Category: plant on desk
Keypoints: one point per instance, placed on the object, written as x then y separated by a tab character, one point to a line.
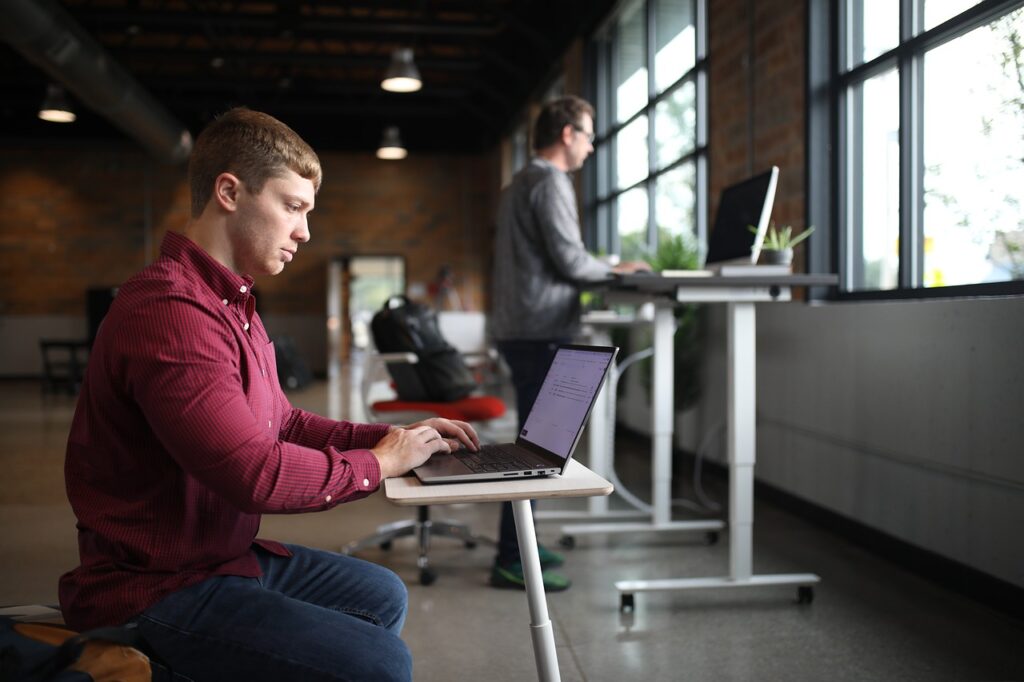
779	242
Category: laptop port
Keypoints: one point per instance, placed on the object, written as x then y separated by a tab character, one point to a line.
512	474
528	473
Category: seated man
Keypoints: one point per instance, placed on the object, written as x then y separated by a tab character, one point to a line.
182	438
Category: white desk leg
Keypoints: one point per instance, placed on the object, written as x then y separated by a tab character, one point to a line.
662	413
741	400
662	423
540	625
599	445
742	419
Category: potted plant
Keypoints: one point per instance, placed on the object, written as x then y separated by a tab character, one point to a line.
779	242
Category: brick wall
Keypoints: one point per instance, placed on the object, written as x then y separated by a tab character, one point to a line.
72	219
756	90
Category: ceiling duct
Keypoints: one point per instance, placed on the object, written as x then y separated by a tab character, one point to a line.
45	34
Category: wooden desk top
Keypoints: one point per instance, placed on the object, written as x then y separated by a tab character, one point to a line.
577	481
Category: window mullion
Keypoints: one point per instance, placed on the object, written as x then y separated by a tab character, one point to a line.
700	101
650	46
911	210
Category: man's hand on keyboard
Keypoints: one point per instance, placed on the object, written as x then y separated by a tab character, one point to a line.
402	449
456	433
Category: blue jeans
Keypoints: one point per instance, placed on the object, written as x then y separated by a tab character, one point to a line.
313	616
528	361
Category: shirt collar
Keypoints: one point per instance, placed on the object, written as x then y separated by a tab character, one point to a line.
223	282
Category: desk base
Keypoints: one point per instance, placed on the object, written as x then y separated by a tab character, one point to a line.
646	527
627	588
569	515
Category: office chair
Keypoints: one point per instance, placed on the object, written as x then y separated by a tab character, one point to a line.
475	409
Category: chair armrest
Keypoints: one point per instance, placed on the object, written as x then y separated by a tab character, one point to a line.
489	354
409	358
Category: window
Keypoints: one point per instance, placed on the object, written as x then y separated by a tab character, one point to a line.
926	109
648	83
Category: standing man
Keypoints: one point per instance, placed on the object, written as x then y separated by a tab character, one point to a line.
540	261
182	438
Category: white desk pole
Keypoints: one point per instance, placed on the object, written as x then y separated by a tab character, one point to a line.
540	625
662	424
662	412
597	439
599	443
741	404
741	415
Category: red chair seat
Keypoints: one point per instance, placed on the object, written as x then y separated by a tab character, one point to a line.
472	409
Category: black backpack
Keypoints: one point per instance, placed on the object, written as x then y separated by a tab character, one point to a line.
404	326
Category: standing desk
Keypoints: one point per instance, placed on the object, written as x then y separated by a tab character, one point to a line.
577	481
740	294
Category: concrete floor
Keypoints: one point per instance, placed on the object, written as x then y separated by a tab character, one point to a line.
870	620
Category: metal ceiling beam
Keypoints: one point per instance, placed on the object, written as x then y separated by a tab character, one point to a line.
45	34
206	55
271	24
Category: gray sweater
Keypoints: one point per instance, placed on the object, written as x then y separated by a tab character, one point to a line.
539	257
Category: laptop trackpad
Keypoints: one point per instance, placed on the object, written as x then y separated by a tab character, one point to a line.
442	464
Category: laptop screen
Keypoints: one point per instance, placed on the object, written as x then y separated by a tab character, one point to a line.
745	204
564	401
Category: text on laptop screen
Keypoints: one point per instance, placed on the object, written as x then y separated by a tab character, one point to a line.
564	400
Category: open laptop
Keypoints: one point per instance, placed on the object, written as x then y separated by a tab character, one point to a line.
551	430
745	204
732	243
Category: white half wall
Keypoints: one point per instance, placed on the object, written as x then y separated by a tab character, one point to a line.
904	416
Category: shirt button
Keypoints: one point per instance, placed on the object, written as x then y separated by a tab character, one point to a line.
366	483
327	499
269	424
264	372
224	301
245	326
243	288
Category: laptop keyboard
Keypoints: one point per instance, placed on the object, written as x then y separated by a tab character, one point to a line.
492	458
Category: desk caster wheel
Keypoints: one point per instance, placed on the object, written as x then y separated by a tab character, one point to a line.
567	541
626	602
427	576
711	537
804	594
386	545
470	544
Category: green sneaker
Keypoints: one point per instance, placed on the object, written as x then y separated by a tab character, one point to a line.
512	577
549	559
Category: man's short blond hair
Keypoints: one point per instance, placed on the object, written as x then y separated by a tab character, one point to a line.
251	145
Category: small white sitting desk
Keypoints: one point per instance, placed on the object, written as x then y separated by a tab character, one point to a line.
740	294
577	481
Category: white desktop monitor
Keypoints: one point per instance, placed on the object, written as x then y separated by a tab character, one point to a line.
740	206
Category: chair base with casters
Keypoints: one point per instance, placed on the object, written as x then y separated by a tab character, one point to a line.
423	528
481	408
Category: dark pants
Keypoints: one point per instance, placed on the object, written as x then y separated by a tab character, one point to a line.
316	616
529	362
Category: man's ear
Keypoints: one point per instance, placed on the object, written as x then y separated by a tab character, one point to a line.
226	189
567	132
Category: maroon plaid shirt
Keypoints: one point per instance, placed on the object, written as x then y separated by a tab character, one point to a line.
182	437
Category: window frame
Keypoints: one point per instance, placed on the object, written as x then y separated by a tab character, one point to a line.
829	144
599	187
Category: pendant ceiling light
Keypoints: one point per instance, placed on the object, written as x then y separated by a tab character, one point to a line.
55	107
391	145
402	75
